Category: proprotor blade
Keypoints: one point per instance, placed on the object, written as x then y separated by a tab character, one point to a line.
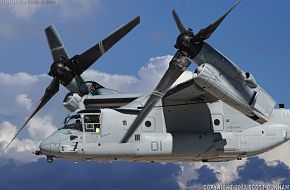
55	43
177	66
50	91
205	33
178	22
87	58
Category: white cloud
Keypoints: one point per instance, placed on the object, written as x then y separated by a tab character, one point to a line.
227	172
151	73
147	77
20	78
25	10
188	172
41	127
279	153
7	30
113	81
22	86
155	68
20	150
23	89
23	100
14	12
71	9
67	9
7	131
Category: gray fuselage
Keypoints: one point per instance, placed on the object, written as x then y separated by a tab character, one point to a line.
188	132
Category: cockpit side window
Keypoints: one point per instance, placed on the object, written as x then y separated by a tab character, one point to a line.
92	123
73	122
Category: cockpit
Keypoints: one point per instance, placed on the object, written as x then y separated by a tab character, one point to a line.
73	122
89	122
85	123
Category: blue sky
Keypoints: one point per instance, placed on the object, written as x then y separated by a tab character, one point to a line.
255	36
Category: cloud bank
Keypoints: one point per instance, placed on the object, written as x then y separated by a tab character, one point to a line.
147	77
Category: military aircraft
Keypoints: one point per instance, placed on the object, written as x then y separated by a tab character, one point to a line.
220	114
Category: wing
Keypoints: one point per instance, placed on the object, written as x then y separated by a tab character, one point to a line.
187	93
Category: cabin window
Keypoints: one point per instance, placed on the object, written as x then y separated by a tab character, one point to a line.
217	122
92	123
148	124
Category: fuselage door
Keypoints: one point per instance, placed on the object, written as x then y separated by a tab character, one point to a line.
92	127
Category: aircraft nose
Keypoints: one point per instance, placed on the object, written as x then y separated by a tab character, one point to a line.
45	146
50	144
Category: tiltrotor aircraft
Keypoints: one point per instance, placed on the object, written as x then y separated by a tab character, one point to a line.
220	114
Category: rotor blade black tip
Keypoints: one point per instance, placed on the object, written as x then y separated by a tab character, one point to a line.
173	12
91	55
55	43
178	22
53	37
237	2
205	33
233	6
50	27
137	19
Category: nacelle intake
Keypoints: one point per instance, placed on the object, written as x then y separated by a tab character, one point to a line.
72	102
250	80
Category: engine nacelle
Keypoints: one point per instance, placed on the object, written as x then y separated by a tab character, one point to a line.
72	102
250	80
255	103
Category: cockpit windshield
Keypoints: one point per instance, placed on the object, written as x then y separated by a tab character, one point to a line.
73	122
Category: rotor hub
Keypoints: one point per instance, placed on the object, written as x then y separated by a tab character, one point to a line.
60	71
184	43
